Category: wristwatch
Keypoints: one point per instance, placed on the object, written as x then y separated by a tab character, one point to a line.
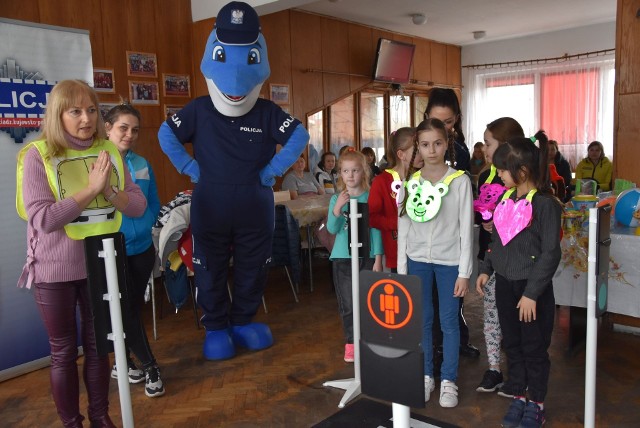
112	196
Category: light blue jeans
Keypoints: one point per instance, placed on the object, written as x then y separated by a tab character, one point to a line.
445	277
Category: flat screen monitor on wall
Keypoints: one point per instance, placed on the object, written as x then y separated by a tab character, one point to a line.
393	61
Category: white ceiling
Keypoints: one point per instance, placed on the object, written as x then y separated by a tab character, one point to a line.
448	21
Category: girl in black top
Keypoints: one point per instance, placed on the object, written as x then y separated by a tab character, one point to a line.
524	254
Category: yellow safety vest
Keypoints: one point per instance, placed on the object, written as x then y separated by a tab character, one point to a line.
67	175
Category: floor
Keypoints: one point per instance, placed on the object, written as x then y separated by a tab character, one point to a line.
283	386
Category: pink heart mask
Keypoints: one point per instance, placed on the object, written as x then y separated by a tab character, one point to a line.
511	218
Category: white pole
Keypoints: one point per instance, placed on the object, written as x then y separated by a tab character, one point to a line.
353	386
355	283
401	416
117	335
592	324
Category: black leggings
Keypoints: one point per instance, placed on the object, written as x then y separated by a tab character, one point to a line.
139	267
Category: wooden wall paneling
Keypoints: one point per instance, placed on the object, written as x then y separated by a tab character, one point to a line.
362	54
454	66
306	50
438	63
114	40
626	145
141	25
65	14
173	37
422	60
199	35
172	43
276	31
628	46
335	57
26	10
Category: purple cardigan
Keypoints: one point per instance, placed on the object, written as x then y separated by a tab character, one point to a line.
51	255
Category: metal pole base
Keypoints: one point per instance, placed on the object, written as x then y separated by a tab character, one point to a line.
351	386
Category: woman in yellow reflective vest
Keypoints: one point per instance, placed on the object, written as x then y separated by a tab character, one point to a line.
71	184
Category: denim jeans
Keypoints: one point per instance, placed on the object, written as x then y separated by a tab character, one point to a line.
445	277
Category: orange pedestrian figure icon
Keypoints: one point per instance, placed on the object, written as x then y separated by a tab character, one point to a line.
391	298
389	304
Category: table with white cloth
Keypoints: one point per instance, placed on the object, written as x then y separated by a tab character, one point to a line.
308	211
570	280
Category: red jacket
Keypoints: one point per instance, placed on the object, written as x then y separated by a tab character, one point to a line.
383	215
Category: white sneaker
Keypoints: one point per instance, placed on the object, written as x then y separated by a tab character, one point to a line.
448	394
429	386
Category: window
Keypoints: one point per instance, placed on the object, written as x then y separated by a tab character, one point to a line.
365	123
572	101
399	112
316	131
342	124
421	102
372	131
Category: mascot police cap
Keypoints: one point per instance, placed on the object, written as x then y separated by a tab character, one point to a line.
237	23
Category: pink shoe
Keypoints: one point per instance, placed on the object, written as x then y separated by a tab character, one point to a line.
348	353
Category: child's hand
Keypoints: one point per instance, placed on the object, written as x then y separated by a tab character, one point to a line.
488	226
343	198
527	308
461	287
377	265
482	280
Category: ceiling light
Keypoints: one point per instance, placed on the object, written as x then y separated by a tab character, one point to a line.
479	34
418	18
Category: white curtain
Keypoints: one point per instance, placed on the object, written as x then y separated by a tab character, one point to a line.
571	100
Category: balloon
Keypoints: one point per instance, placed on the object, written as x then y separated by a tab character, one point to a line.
627	208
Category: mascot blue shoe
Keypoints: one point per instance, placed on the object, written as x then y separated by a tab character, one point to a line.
218	345
254	336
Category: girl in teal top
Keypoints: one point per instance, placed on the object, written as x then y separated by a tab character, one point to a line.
353	182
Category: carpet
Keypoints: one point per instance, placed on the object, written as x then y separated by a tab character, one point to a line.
365	413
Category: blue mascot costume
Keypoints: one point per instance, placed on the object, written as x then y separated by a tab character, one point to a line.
234	136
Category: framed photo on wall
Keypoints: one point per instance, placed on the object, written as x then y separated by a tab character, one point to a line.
176	85
142	64
170	110
103	80
105	107
279	93
141	92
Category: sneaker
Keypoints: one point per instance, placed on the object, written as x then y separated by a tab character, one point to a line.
469	351
348	353
448	394
514	414
153	386
135	374
491	381
533	416
506	390
429	386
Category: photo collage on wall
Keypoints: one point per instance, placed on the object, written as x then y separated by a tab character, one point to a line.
143	88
